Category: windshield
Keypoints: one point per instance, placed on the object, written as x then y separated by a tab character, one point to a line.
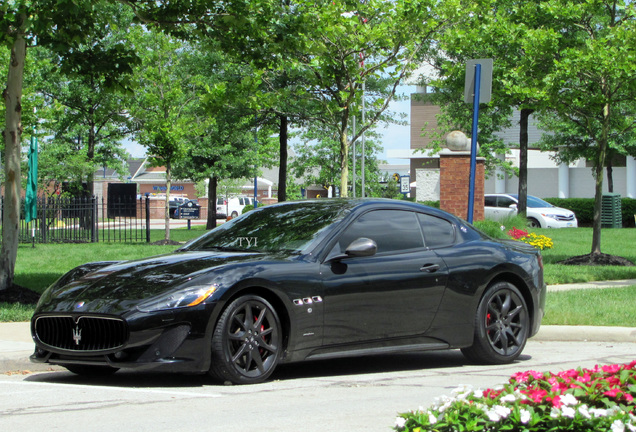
291	227
534	202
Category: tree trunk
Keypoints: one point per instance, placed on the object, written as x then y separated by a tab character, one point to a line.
12	139
610	176
282	170
344	165
599	164
167	208
523	160
211	222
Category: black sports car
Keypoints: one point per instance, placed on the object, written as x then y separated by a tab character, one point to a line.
298	281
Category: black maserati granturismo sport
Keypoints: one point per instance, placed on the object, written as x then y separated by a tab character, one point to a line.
298	281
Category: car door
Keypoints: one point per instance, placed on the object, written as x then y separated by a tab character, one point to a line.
394	293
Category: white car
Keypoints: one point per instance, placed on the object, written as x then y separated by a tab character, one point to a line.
233	206
540	214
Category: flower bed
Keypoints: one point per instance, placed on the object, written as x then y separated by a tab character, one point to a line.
597	399
536	240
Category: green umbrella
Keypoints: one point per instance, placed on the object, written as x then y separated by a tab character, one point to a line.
30	202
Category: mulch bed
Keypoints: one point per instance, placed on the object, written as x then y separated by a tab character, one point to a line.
599	259
19	294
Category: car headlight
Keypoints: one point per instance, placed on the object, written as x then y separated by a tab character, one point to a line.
187	297
551	216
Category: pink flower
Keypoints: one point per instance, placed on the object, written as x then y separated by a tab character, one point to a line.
613	392
536	395
584	378
612	369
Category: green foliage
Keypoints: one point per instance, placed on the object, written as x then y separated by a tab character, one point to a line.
583	208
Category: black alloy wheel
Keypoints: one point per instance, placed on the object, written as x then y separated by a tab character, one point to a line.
501	326
247	341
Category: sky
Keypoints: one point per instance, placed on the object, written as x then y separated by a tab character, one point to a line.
394	137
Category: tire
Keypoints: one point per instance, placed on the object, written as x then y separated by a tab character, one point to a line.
91	371
533	223
247	341
234	214
501	326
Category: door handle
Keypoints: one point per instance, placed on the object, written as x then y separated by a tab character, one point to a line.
429	268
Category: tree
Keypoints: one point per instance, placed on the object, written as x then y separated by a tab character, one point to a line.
59	25
377	44
164	99
501	30
88	83
317	161
593	83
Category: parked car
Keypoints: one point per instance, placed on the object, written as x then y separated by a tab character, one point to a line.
296	281
221	208
233	206
540	213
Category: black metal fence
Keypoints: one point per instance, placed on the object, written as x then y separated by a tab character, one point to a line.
86	220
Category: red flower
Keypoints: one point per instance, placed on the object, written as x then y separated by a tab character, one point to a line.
613	392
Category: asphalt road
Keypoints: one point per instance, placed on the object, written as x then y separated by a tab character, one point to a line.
362	394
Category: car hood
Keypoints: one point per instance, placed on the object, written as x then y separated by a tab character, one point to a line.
119	287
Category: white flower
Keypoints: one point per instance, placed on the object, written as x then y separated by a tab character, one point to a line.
630	427
502	411
598	412
431	418
618	426
493	416
583	410
479	394
400	422
497	413
555	413
348	14
568	400
525	416
568	412
508	398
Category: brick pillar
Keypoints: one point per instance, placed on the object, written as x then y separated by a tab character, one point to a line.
454	182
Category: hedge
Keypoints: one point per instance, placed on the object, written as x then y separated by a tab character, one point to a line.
583	208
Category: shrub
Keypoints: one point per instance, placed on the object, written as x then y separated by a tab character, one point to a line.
601	398
583	208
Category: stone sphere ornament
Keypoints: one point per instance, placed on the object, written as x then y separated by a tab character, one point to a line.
457	141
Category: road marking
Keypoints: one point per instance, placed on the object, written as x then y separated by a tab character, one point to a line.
115	388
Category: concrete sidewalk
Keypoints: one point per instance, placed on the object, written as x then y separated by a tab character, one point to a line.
16	344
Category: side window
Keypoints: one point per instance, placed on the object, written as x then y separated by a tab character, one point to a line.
392	230
437	232
490	201
505	202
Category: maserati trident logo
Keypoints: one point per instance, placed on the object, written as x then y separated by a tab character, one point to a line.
77	335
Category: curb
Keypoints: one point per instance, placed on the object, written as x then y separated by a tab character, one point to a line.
585	334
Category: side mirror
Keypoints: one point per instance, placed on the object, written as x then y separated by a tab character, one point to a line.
362	247
513	206
358	248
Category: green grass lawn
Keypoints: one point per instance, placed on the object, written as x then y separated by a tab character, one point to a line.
38	267
570	242
597	307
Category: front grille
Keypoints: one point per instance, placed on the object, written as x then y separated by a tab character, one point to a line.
565	218
81	333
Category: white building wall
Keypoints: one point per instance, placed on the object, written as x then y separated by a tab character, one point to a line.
427	184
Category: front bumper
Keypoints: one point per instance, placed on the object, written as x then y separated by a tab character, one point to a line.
172	342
